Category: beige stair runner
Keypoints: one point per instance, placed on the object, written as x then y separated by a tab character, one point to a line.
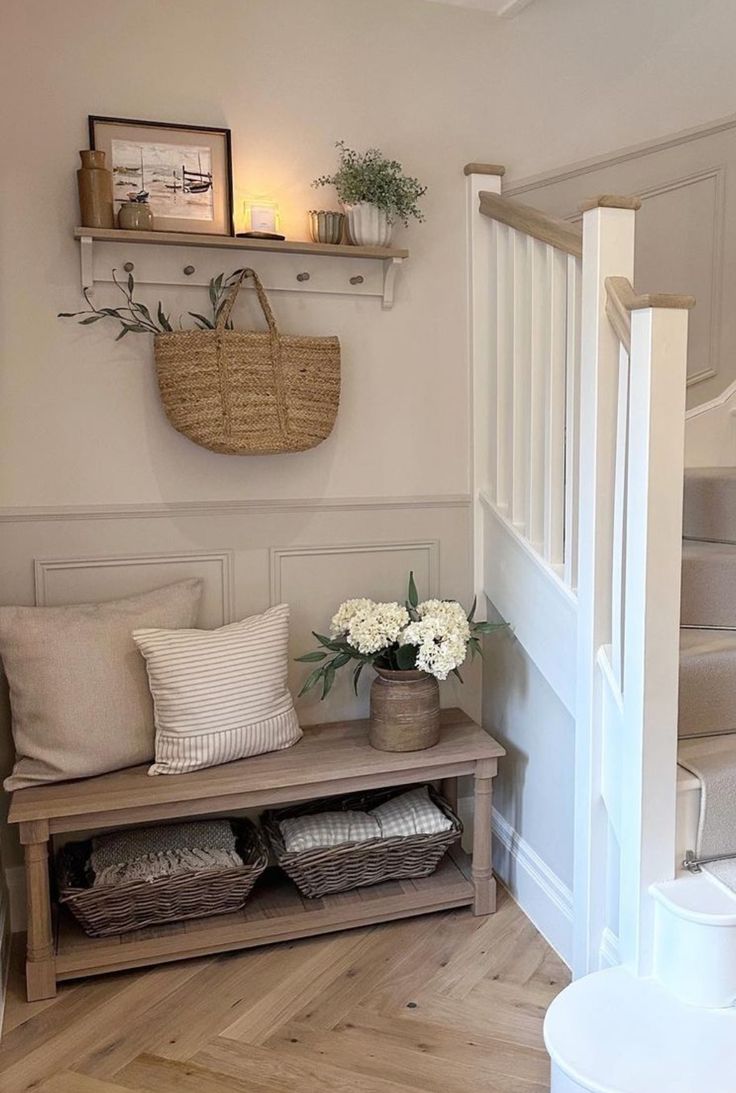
707	708
713	761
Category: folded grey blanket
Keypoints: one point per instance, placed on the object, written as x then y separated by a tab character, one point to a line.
147	853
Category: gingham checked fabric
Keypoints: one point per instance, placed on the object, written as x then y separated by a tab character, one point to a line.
412	813
328	829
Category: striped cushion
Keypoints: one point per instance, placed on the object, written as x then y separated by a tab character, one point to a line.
220	694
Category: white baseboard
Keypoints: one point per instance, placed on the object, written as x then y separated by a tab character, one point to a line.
608	954
15	878
539	892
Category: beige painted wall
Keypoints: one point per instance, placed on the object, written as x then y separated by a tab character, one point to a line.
435	86
685	231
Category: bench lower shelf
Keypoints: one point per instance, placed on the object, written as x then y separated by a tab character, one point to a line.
275	912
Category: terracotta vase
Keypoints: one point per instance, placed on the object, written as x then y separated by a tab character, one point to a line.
135	216
94	183
405	711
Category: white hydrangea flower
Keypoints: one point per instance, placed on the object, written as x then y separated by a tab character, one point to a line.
376	627
452	612
344	615
441	639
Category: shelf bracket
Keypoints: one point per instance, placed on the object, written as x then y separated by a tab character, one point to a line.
86	264
390	269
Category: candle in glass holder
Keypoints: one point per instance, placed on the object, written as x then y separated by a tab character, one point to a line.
261	219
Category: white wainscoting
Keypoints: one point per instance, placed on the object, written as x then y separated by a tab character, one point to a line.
366	563
91	579
300	576
532	598
685	231
310	553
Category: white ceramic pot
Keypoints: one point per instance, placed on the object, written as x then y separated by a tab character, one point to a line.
368	225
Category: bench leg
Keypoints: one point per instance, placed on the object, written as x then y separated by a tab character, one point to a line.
484	882
40	956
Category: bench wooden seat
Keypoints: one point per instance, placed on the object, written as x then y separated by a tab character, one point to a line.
331	759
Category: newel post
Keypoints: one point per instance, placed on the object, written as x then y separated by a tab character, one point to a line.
608	251
481	327
658	379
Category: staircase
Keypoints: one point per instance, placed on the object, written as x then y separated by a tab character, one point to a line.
675	1031
579	429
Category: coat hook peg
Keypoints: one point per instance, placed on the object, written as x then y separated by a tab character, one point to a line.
358	280
302	276
129	267
188	270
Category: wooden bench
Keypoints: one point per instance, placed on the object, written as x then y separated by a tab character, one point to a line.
331	759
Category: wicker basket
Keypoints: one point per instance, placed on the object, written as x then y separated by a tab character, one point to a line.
355	865
246	392
117	909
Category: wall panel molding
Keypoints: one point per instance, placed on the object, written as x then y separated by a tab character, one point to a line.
278	555
686	239
717	175
221	562
174	509
717	229
622	155
313	553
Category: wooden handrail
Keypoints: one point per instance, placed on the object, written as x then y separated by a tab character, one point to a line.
548	229
484	169
621	300
611	201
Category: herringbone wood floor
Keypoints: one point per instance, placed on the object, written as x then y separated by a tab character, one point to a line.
447	1003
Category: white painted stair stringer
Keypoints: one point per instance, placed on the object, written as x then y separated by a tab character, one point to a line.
611	1032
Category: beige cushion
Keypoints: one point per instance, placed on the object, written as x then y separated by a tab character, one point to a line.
220	694
78	688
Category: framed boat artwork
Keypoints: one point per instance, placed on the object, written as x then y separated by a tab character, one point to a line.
185	171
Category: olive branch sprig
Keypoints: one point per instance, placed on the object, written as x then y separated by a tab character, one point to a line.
135	318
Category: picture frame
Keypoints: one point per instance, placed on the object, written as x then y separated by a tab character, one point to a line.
185	169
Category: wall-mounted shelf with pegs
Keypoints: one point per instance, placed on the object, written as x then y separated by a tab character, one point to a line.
155	258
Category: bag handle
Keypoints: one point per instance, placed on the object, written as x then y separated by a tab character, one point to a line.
276	361
262	299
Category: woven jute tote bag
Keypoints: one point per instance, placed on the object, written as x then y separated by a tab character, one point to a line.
246	392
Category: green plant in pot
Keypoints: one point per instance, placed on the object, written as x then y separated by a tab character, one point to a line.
410	646
375	193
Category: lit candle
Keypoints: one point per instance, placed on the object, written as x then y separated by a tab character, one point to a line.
261	218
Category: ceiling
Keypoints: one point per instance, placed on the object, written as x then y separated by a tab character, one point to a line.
505	8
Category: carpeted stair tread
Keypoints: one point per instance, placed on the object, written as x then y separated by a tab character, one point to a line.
710	504
707	682
708	584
